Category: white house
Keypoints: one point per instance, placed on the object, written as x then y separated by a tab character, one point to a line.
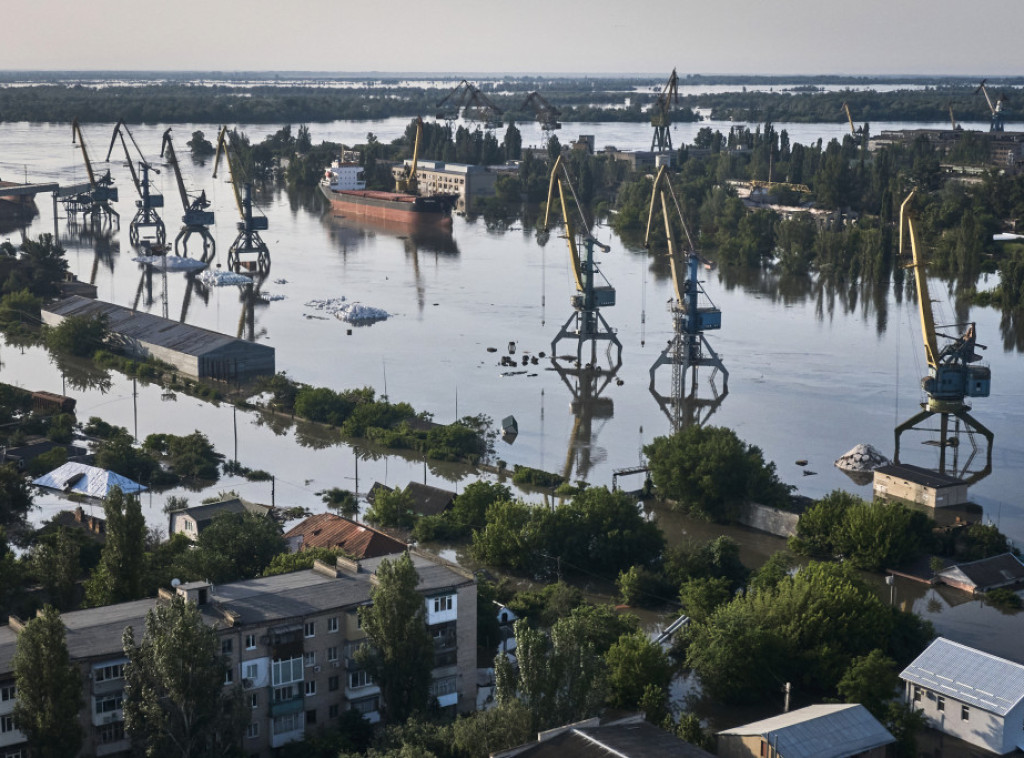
969	694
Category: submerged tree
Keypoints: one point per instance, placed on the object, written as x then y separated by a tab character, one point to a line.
49	688
120	573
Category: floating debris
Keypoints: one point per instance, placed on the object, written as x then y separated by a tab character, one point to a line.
170	262
220	278
351	312
280	281
860	463
513	373
803	462
269	297
492	350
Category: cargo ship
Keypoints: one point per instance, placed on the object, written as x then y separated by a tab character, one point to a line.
345	186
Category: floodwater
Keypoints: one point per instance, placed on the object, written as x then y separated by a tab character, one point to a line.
812	371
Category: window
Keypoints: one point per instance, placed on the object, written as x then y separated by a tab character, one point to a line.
287	723
965	713
109	703
366	705
359	678
286	693
917	694
311	687
941	704
332	624
229	675
333	684
311	717
332	711
253	730
250	642
252	671
225	647
443	603
8	692
106	673
309	658
113	732
445	686
764	749
6	724
332	653
286	671
254	700
310	629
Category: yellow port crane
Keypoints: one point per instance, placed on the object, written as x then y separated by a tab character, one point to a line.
96	200
952	120
661	119
952	373
589	324
995	109
845	107
407	181
248	243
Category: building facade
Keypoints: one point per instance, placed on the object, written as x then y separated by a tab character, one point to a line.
290	641
914	484
469	182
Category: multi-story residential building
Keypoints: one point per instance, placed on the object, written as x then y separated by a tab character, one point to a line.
290	640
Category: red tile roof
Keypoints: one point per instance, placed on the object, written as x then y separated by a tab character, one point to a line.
330	531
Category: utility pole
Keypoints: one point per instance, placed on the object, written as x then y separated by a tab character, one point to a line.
785	705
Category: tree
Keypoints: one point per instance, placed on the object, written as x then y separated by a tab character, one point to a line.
121	571
56	563
234	546
399	654
77	335
15	497
870	680
392	508
634	663
175	702
709	472
49	688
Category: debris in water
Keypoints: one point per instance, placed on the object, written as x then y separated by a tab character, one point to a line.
351	312
219	278
862	458
170	262
802	462
492	350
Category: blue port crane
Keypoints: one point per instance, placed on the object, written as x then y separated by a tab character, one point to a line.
146	216
248	244
586	324
692	311
197	219
995	109
953	372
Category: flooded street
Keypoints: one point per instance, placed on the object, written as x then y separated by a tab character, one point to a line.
812	372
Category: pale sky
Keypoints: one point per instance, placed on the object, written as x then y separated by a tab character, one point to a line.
976	38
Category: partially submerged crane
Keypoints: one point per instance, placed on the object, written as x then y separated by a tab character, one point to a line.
197	220
407	181
589	325
952	375
146	216
660	118
693	313
467	99
248	243
546	114
95	201
996	109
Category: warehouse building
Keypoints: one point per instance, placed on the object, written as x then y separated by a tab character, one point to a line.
198	352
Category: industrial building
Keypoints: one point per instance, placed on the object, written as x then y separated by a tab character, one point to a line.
437	177
290	641
1005	149
914	484
198	352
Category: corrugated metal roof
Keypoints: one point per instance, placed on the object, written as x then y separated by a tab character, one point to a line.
819	731
971	676
919	475
997	571
149	328
87	480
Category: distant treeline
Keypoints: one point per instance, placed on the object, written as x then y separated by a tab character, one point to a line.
577	100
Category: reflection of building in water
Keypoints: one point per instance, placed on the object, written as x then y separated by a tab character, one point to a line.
471	183
586	386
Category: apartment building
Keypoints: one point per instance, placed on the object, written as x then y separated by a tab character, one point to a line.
291	642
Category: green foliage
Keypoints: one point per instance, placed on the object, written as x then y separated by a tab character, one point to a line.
872	536
119	575
643	588
193	456
15	497
468	512
234	546
77	335
175	702
1004	599
709	472
61	427
119	454
21	307
535	477
285	563
719	557
487	732
392	509
701	596
543	607
342	501
199	145
399	654
981	541
634	663
807	630
97	427
49	688
871	680
39	270
772	571
56	563
597	531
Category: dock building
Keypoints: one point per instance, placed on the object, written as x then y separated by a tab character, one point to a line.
192	350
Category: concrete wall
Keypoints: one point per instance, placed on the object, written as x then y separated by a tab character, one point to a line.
771	520
998	734
889	486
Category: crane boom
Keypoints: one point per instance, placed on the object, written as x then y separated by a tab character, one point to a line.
76	134
409	183
222	148
846	107
167	150
924	303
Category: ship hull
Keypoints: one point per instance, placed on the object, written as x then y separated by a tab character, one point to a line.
392	206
